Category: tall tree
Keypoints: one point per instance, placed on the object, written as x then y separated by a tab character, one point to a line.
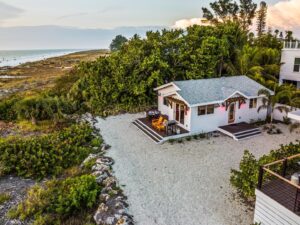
228	10
261	19
223	10
247	13
117	43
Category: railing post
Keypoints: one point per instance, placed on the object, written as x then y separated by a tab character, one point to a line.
284	167
260	177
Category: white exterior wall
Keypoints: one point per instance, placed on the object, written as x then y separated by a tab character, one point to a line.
209	123
269	212
287	69
171	112
277	115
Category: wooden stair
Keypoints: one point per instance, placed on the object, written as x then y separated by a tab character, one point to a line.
247	134
158	139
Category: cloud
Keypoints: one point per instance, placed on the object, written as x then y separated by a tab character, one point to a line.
285	15
184	23
8	11
80	14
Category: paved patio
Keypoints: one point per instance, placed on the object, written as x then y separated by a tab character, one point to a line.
181	184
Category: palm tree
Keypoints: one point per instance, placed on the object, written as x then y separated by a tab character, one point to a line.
270	100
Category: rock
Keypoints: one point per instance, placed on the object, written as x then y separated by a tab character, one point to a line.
100	179
101	168
105	160
105	147
90	157
104	197
110	181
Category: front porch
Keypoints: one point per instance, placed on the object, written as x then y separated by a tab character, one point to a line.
159	136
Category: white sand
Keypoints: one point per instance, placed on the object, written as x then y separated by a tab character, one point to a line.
181	184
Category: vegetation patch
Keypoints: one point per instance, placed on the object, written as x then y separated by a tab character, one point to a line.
4	197
41	156
246	178
58	200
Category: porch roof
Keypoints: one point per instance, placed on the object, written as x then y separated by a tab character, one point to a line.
197	92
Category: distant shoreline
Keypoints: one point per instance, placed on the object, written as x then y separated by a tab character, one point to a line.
13	58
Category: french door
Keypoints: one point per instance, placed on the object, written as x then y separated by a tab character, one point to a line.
179	113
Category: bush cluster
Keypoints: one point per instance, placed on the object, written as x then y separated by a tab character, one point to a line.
37	107
246	178
49	154
56	200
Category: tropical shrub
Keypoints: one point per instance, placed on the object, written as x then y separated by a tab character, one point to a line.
42	108
56	200
7	112
45	155
245	179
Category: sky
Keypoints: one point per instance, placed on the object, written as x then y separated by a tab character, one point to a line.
34	19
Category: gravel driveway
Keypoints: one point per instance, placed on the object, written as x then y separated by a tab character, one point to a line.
181	184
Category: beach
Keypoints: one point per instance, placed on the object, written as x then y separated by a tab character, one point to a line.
41	74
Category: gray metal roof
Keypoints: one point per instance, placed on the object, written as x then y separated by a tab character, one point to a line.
196	92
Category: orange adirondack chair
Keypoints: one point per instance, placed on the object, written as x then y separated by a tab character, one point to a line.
158	121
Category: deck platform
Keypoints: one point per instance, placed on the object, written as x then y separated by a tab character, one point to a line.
157	136
281	192
240	131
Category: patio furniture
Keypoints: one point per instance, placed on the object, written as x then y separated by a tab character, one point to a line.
153	114
160	123
295	178
171	127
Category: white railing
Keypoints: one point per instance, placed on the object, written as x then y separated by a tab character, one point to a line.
292	44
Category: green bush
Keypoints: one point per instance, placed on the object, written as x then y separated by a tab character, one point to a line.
58	199
4	197
245	179
42	108
45	155
7	111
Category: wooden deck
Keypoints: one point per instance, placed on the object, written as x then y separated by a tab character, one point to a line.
238	127
146	122
240	131
281	192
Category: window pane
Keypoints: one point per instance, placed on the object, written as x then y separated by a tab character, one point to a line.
297	61
166	102
210	109
201	110
297	68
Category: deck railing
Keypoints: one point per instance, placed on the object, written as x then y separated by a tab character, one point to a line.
274	181
292	44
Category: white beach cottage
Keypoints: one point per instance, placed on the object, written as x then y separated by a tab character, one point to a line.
226	104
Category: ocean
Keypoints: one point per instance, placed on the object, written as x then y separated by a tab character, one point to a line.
17	57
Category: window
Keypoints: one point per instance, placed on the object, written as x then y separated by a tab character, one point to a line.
297	65
253	103
166	102
208	109
201	110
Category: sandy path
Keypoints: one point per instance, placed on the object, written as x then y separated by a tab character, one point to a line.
181	184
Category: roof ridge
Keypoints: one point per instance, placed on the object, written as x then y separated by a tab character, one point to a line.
212	78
